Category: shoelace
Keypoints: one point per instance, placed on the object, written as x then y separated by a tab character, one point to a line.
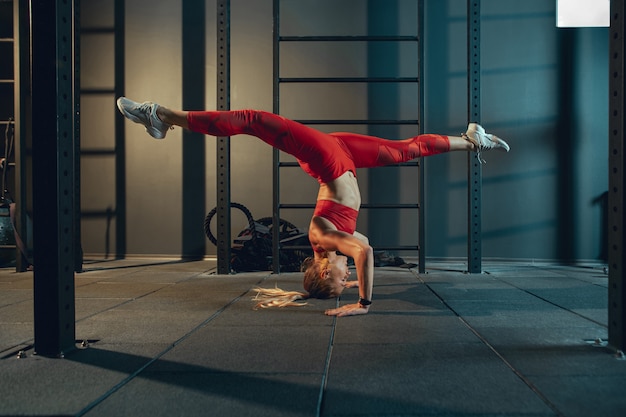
478	148
145	107
153	115
149	109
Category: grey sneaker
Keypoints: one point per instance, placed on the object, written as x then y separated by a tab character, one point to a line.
483	141
145	114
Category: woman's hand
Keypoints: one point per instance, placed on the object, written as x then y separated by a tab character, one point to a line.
352	284
348	310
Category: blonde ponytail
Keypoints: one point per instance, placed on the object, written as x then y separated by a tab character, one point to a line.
315	284
276	297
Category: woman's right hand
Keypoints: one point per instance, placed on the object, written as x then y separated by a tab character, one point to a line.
348	310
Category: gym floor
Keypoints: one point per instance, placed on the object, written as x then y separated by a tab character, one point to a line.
170	338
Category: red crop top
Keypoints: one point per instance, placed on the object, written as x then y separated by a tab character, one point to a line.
342	217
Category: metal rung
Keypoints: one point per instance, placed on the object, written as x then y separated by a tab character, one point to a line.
348	80
358	122
97	31
7	81
297	206
362	38
390	206
295	247
94	214
377	248
97	91
97	152
414	247
363	206
403	164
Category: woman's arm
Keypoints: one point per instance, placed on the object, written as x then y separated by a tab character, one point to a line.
364	262
359	250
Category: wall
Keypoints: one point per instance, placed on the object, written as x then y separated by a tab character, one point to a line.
544	89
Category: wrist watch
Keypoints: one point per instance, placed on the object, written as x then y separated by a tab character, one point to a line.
363	302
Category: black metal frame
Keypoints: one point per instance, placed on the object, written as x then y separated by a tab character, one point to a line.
118	151
53	175
21	17
474	173
617	179
276	152
223	143
277	164
78	248
422	169
120	130
194	144
14	203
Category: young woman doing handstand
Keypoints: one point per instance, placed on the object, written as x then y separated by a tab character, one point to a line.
332	159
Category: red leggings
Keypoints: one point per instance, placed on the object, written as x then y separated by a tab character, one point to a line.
308	144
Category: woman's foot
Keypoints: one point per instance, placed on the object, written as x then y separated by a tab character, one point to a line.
146	114
483	141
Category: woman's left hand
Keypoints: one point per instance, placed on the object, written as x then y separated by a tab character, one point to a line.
348	310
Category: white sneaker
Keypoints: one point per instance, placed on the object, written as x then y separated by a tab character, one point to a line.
483	141
145	114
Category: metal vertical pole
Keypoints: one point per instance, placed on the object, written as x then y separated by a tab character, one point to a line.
194	144
223	143
21	28
78	248
474	238
422	161
276	153
120	131
53	176
617	179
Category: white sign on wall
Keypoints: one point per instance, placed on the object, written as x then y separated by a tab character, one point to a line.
583	13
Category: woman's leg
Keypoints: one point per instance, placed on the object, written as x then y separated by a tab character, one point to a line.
173	117
303	142
457	143
371	151
308	145
368	150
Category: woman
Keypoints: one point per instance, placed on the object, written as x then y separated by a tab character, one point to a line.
332	159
